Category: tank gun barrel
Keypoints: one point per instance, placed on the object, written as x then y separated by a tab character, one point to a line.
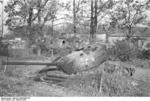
21	62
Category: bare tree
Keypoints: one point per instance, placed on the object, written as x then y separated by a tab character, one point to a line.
99	10
77	13
29	14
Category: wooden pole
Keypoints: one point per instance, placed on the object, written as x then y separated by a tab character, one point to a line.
5	66
101	84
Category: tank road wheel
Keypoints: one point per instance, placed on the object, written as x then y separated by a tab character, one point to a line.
54	77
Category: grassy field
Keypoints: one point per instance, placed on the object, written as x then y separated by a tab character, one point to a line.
18	81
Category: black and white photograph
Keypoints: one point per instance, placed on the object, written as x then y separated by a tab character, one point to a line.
74	48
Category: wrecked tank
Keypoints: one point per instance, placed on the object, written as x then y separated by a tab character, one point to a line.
72	63
82	60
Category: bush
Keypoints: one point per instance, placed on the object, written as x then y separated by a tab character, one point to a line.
19	53
111	85
144	54
118	85
123	50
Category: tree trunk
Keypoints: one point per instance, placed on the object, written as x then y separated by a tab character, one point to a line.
95	17
29	21
93	25
52	27
92	21
74	17
28	30
39	52
107	36
39	18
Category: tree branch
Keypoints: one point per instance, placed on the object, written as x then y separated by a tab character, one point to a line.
39	10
